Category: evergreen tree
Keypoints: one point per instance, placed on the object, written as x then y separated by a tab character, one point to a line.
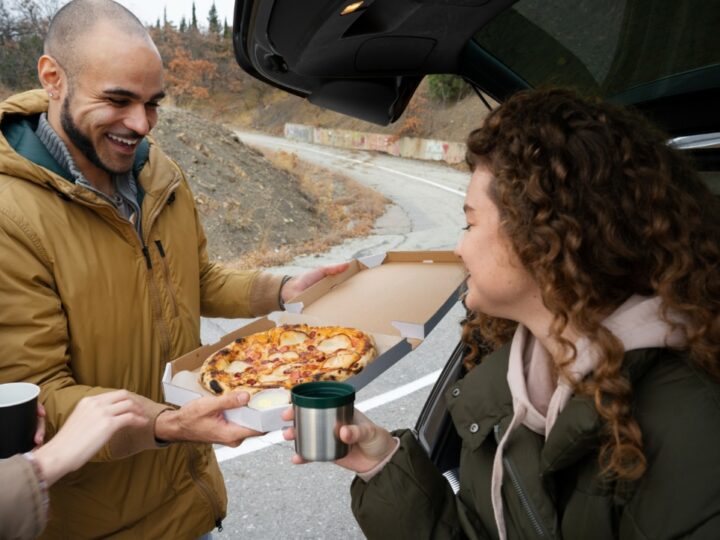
157	24
193	19
167	24
183	24
213	21
226	30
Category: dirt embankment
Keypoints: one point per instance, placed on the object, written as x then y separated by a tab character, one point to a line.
257	212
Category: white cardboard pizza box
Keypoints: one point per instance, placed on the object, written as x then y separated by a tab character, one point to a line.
181	379
397	297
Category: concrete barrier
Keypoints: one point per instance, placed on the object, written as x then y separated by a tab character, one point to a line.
410	147
299	132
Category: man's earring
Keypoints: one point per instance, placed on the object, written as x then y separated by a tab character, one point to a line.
50	94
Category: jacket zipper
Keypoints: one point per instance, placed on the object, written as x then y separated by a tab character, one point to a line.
168	281
162	329
192	453
207	492
524	499
160	324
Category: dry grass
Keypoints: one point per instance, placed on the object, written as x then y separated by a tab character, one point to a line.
348	207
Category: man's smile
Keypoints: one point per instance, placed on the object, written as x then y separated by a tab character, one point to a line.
130	142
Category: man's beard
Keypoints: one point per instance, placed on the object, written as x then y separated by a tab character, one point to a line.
80	141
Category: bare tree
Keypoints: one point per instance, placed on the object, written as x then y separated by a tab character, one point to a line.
23	24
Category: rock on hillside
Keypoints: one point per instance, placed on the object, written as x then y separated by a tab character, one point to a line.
246	204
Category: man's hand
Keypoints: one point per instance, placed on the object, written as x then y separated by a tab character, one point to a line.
299	283
202	420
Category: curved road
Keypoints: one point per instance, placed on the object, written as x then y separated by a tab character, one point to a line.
269	497
427	197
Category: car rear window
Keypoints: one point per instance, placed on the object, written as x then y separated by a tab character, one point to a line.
629	50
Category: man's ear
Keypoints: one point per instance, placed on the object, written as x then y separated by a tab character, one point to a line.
51	76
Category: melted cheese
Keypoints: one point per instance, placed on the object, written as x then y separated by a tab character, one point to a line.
335	343
343	360
277	375
291	337
288	356
238	366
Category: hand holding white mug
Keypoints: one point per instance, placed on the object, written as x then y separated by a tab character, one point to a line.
370	443
92	423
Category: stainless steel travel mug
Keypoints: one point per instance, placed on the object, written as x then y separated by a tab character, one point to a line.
321	408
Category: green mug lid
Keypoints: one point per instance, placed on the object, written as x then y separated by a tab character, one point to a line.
322	394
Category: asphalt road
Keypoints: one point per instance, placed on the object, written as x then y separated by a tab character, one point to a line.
269	498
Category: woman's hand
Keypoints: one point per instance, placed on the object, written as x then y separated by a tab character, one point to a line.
92	423
370	443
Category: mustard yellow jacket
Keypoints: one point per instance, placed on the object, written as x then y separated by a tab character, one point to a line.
86	306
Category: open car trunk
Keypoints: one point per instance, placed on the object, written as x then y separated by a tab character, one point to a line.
366	58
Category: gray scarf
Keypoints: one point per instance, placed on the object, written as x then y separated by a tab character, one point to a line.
124	200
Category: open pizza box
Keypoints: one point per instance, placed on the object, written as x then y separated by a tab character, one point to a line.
396	297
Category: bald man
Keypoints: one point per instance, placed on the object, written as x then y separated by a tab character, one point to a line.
104	276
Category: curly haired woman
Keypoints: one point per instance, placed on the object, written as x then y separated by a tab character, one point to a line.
592	257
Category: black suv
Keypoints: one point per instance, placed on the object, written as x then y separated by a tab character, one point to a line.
366	58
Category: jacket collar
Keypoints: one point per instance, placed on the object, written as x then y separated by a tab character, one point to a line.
482	400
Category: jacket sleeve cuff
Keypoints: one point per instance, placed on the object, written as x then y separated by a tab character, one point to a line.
129	441
367	475
22	510
408	494
265	293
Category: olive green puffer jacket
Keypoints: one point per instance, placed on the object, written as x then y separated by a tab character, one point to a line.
551	487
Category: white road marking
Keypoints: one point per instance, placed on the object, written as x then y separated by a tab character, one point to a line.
398	392
367	163
223	453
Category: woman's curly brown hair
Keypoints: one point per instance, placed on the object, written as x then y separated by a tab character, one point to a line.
599	208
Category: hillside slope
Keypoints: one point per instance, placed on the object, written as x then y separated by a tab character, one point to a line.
259	107
258	211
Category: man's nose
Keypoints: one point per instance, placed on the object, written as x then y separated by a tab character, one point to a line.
137	120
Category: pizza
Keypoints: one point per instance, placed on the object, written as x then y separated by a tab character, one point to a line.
287	355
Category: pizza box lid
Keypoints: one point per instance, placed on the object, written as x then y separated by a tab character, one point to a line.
397	297
401	293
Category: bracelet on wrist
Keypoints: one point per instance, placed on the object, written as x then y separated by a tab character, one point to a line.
281	302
